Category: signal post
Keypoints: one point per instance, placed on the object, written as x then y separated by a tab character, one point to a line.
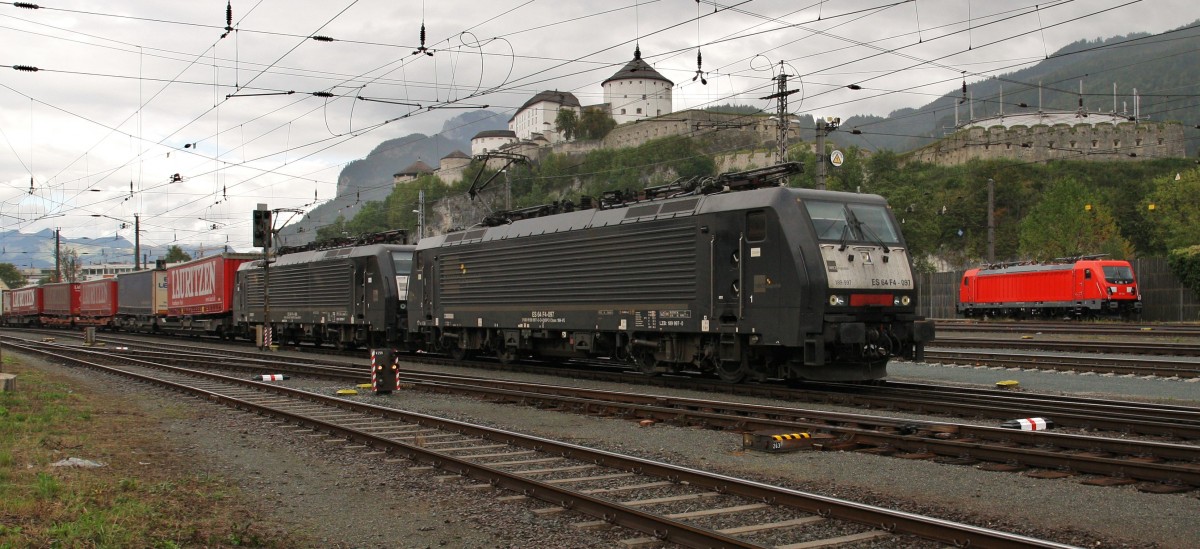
262	237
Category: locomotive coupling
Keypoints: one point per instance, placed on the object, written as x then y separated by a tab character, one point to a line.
852	332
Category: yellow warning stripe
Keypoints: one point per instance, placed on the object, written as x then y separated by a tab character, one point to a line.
792	436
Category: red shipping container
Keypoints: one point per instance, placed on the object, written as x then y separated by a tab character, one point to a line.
204	286
26	301
62	299
98	298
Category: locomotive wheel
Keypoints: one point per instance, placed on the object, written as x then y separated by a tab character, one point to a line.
733	372
646	364
457	353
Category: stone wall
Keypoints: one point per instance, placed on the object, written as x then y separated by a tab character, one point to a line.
1039	143
693	123
741	161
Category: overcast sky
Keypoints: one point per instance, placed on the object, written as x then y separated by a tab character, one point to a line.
131	93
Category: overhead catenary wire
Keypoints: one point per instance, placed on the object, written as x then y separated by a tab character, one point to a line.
237	124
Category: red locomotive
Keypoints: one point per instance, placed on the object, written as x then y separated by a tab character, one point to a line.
1086	286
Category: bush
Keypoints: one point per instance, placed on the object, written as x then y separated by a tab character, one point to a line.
1185	263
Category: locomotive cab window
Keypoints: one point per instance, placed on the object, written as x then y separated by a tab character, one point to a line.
1087	274
403	262
756	226
848	222
1118	274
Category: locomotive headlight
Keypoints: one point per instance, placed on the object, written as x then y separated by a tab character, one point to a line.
837	300
1112	290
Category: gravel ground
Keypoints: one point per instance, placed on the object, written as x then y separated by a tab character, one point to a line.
341	497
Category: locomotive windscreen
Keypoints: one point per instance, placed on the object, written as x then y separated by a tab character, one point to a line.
1118	274
839	221
403	262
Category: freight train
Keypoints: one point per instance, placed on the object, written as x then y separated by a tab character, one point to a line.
734	276
1088	286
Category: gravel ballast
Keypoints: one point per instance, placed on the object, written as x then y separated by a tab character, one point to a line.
353	498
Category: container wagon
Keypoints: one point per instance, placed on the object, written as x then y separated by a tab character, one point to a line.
141	300
25	307
62	304
98	303
200	295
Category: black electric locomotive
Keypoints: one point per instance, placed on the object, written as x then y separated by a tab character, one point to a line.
733	275
348	296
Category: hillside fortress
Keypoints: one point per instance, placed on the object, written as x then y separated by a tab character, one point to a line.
1043	136
639	99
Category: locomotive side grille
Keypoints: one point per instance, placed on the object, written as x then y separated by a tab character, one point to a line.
627	264
320	285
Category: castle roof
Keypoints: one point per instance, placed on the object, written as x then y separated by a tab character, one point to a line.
566	99
495	133
416	168
637	68
456	154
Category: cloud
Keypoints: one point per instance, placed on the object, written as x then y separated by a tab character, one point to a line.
133	93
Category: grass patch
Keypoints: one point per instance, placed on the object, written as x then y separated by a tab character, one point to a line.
143	496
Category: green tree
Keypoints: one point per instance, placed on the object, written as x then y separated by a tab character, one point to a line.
1070	221
334	230
595	124
11	276
175	254
567	123
1176	212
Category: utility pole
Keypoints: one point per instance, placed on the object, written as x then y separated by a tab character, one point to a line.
820	176
991	220
57	256
137	242
507	191
824	126
421	214
781	126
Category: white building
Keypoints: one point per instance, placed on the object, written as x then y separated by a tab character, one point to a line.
413	171
637	91
539	115
490	140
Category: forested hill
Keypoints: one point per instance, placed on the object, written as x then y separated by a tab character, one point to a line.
370	179
1162	68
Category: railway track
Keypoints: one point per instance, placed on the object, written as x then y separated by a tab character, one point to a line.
1142	419
959	325
1037	342
1160	467
663	502
1188	368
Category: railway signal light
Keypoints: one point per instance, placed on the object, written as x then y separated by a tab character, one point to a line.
262	228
